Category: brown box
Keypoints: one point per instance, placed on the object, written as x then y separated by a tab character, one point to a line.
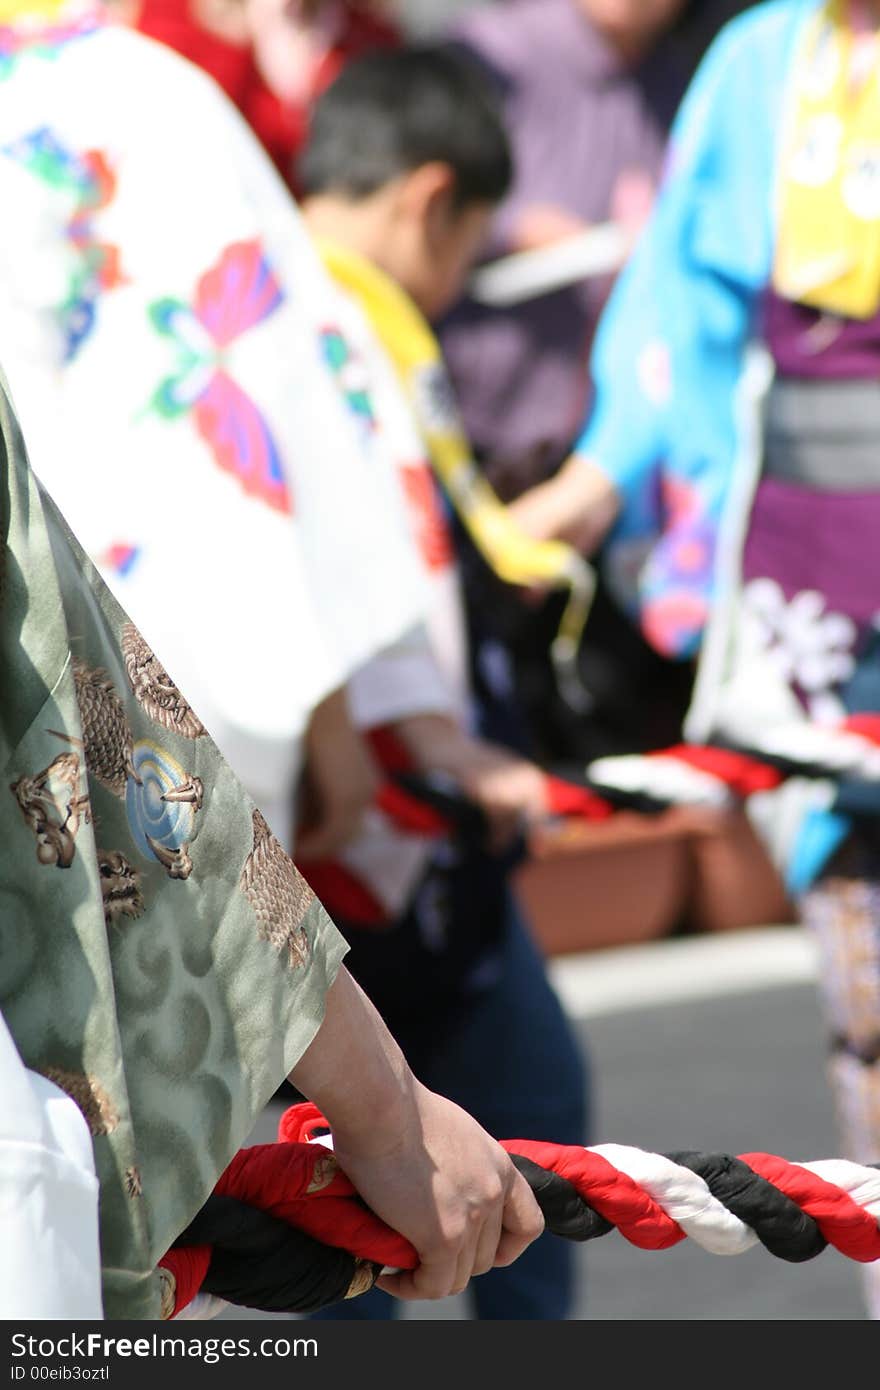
634	878
608	883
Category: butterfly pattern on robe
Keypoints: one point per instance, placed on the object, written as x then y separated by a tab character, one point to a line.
88	179
237	293
351	375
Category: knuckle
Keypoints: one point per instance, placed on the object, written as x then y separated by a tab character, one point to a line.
494	1191
456	1232
475	1218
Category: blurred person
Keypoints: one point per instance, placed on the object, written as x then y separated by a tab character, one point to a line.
406	160
733	448
271	57
174	329
588	89
165	969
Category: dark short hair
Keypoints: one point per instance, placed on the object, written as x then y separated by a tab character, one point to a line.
388	113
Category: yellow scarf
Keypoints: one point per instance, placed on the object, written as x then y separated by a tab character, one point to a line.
828	239
511	554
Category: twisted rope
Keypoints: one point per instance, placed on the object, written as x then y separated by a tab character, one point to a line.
731	769
281	1216
725	1204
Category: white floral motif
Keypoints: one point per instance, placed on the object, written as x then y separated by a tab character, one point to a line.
654	372
811	646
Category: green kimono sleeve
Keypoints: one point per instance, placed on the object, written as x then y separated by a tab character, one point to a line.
160	957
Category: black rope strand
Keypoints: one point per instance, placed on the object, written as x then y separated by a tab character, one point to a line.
259	1261
565	1211
782	1227
780	1224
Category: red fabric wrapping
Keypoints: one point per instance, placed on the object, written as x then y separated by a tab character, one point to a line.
742	774
301	1123
300	1182
340	890
276	1178
614	1195
410	814
868	725
341	893
567	799
189	1265
388	750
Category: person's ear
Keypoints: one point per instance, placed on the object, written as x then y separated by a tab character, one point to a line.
428	195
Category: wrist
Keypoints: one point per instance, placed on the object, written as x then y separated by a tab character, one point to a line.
356	1074
587	501
434	742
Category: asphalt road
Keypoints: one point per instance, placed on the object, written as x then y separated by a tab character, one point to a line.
734	1071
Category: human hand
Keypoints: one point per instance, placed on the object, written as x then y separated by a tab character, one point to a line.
632	201
544	224
440	1180
339	783
578	504
422	1164
510	790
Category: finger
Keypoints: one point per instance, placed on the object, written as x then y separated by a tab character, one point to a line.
487	1243
397	1285
431	1279
522	1222
463	1269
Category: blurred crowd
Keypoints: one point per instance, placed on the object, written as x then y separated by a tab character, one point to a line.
417	553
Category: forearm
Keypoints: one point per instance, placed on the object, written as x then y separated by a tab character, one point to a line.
418	1161
355	1072
435	741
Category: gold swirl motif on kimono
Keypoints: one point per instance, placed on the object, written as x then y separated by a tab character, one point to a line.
89	1095
106	731
154	689
53	805
325	1170
134	1186
278	894
363	1279
161	802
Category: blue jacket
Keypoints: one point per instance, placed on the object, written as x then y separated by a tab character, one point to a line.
671	347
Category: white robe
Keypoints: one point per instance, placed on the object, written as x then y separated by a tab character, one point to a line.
164	325
50	1265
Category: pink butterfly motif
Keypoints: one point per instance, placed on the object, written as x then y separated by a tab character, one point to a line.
237	293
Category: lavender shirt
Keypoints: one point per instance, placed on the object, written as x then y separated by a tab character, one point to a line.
578	118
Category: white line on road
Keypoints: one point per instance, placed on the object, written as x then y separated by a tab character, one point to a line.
673	971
